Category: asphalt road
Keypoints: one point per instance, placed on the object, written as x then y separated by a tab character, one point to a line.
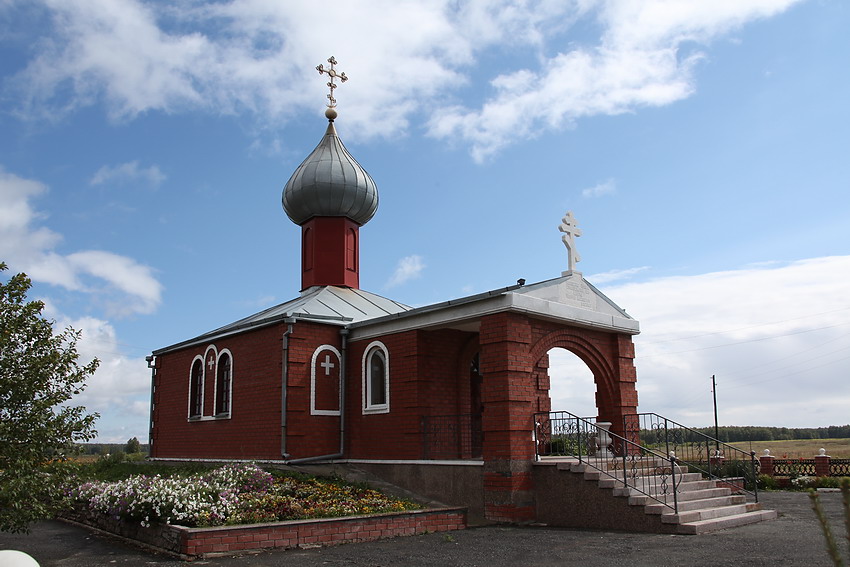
793	539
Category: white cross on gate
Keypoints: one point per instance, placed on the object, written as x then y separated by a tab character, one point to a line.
327	365
211	363
569	226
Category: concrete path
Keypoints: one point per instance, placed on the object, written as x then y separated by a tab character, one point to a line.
793	539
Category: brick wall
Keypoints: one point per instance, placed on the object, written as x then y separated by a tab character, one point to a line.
198	542
428	375
253	428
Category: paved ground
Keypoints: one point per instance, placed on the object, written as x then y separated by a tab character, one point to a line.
793	539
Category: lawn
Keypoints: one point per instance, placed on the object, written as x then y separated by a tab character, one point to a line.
798	448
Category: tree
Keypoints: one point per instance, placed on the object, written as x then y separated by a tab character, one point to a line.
133	446
39	374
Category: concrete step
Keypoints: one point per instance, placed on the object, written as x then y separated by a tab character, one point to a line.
638	499
647	479
684	488
705	514
725	522
657	508
703	506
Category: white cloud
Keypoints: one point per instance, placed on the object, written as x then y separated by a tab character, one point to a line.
122	284
775	337
615	275
119	390
641	59
403	58
608	187
408	268
128	172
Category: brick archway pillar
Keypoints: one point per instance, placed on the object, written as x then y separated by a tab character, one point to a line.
508	395
625	399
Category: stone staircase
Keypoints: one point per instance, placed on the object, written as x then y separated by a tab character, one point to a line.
703	506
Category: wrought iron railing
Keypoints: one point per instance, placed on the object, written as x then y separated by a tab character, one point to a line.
735	468
633	467
451	436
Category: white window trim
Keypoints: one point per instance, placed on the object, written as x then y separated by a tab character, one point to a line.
367	382
199	416
229	386
313	410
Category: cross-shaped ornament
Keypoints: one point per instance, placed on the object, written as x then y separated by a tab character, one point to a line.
327	365
211	363
569	226
333	75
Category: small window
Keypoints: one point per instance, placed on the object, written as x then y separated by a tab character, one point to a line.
351	250
196	389
307	250
222	385
376	387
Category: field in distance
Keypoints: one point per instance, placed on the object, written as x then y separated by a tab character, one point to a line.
798	448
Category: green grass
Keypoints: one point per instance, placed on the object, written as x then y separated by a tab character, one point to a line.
798	448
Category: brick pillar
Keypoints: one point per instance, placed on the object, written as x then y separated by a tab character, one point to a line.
766	464
822	463
509	395
625	400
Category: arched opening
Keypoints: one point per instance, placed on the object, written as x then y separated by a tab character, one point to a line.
572	387
476	406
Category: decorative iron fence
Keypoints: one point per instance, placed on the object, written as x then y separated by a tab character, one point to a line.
737	469
808	467
794	467
839	467
633	467
451	436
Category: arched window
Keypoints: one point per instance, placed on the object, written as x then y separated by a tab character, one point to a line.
376	382
223	384
196	389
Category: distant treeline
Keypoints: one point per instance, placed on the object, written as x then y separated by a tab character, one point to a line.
734	433
110	448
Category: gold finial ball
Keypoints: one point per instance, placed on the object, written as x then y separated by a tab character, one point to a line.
330	113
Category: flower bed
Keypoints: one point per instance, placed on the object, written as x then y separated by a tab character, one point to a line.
233	494
207	513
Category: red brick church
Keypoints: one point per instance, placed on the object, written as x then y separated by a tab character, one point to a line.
438	398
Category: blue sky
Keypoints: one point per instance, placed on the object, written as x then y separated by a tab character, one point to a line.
702	146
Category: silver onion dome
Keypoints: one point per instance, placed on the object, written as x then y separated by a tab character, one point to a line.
330	183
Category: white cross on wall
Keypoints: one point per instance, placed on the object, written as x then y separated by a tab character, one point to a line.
211	363
327	365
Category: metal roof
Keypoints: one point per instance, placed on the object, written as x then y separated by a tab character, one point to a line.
327	304
569	299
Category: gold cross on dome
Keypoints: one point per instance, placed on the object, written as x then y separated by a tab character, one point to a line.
333	75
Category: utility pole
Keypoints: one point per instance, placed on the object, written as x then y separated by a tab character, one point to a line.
716	427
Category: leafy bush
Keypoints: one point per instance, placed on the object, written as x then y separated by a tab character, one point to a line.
767	482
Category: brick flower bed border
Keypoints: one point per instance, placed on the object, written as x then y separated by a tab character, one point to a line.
192	543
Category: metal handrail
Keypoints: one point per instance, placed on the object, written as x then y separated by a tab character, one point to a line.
681	440
579	437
